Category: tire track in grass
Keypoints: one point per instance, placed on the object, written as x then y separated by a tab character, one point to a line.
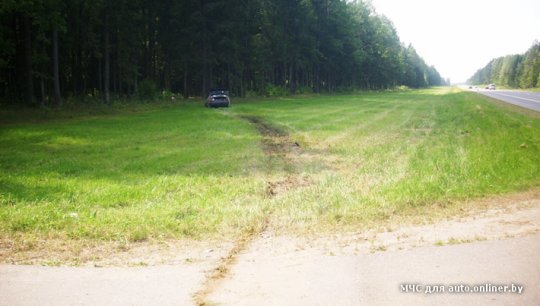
327	112
354	128
276	144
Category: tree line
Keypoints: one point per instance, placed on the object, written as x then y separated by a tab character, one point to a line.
516	71
54	49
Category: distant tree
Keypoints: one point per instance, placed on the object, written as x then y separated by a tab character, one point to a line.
512	70
530	67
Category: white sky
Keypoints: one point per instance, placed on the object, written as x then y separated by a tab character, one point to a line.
459	37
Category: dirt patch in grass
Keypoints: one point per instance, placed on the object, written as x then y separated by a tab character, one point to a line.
277	144
275	141
265	128
274	188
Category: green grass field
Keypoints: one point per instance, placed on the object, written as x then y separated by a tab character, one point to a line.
186	171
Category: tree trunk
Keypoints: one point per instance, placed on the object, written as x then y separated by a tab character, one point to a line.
167	77
205	42
210	78
205	81
318	79
57	95
42	90
186	93
204	72
107	68
100	76
43	69
229	84
242	94
290	77
28	73
136	85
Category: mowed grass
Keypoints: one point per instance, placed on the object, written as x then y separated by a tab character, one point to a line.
186	171
172	172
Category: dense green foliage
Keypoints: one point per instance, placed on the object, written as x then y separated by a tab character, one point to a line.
182	170
53	49
517	71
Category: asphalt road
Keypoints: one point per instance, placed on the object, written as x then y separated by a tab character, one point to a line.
530	100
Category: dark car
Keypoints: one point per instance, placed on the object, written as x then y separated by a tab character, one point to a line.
218	98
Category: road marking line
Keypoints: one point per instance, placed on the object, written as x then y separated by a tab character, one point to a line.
537	101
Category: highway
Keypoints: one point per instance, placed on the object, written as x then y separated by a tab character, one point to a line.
530	100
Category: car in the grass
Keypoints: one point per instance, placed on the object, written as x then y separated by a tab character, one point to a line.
491	87
218	98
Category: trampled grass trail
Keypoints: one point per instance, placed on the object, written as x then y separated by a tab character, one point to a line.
186	171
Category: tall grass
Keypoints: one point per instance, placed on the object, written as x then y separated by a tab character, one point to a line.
383	154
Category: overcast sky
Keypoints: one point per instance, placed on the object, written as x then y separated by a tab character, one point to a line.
459	37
